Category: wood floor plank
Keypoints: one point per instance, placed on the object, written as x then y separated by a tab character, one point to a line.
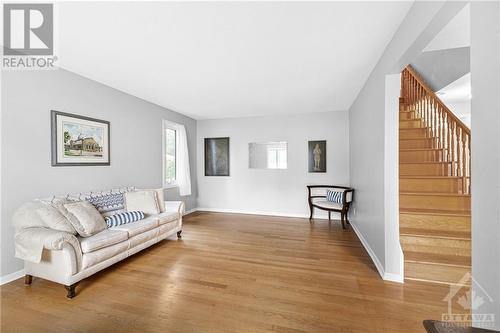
233	273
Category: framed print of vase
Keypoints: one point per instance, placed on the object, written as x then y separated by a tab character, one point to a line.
79	140
317	156
216	156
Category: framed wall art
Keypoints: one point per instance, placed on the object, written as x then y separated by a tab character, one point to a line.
78	140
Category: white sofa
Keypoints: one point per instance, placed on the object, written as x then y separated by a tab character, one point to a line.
67	259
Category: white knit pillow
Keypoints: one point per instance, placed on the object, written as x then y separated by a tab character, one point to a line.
160	198
143	200
89	220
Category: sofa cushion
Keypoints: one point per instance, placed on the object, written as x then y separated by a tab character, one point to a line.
102	239
328	204
144	201
142	238
138	227
89	220
167	217
93	258
160	198
164	228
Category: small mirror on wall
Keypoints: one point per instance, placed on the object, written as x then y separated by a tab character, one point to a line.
267	155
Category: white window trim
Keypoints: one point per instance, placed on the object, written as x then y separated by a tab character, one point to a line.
166	124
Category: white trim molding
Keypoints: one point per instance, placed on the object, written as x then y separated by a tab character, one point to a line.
253	212
11	277
385	276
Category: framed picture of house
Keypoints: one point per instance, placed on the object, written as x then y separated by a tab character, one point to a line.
317	156
78	140
216	156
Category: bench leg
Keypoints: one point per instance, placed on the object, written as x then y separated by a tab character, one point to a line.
311	210
329	216
28	279
342	216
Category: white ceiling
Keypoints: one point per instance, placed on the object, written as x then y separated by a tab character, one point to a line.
455	34
229	59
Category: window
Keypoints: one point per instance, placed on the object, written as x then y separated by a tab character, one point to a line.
169	155
276	158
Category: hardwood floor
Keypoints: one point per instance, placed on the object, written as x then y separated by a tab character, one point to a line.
232	273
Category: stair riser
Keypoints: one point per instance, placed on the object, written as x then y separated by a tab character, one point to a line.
413	133
423	201
443	185
406	115
414	123
435	222
416	143
436	245
421	156
434	272
432	169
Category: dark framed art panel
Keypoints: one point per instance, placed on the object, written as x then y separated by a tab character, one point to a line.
217	156
317	156
79	140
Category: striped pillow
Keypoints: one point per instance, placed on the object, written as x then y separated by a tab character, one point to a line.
122	218
334	196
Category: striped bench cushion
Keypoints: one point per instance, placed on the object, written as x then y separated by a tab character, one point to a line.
122	218
334	196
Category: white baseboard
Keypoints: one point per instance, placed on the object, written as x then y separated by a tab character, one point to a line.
254	212
190	211
11	277
384	275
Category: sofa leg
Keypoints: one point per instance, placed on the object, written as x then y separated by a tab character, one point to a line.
28	279
71	290
179	236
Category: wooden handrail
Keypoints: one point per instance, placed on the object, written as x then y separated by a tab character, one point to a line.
438	100
445	129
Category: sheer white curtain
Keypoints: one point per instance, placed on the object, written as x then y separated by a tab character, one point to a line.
183	171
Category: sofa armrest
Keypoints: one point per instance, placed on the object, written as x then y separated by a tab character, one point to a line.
176	206
30	243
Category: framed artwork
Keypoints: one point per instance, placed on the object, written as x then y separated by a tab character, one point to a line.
216	156
317	156
78	140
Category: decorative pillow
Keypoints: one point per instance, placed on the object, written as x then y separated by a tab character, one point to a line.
160	198
89	220
143	200
123	218
55	220
334	196
58	203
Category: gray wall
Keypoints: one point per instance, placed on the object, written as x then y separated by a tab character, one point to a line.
136	143
368	125
441	67
281	192
485	79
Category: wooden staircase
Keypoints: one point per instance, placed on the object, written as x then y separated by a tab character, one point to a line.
434	185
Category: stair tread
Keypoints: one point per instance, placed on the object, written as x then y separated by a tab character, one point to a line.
443	212
447	234
436	194
413	119
429	177
421	149
438	259
407	139
426	162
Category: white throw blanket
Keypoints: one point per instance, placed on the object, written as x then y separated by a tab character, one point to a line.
32	235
